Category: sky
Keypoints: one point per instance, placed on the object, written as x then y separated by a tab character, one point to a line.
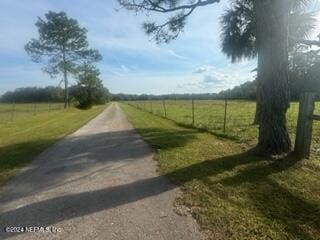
132	62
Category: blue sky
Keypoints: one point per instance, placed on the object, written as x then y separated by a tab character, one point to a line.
131	62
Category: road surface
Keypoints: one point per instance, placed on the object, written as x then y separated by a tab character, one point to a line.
98	183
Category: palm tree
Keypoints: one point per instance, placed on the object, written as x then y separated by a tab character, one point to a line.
239	33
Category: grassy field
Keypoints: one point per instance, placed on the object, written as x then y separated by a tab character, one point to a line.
29	134
10	112
233	194
209	114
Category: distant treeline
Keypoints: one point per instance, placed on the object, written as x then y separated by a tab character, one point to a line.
34	94
47	94
246	91
134	97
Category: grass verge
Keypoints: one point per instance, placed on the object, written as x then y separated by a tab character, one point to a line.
233	194
23	139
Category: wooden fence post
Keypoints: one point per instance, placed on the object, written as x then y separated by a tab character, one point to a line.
192	104
151	107
225	115
35	109
304	125
164	108
12	111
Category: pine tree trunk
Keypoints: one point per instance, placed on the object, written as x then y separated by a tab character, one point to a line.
273	93
65	79
66	92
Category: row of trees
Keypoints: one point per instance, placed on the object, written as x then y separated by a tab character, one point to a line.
34	94
84	97
63	46
141	97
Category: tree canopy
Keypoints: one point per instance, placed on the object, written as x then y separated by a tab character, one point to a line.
89	89
238	26
170	29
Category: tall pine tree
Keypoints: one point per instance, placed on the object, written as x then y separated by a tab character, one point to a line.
63	45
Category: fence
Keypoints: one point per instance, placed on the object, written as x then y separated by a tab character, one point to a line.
232	118
10	112
304	136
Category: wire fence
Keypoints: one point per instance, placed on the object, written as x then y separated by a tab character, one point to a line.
231	118
10	112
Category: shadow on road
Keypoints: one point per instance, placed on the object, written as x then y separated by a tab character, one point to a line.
71	155
90	150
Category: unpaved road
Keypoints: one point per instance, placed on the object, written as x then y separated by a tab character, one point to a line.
98	183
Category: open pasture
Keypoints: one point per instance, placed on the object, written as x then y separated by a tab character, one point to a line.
11	111
29	133
235	124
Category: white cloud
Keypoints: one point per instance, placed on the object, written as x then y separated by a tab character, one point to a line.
174	54
212	79
201	70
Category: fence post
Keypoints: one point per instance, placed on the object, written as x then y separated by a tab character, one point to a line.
192	103
35	109
144	105
151	107
225	115
12	111
304	125
164	108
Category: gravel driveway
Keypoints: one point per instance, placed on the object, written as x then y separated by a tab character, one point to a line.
98	183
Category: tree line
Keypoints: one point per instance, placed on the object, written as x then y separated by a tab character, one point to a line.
33	94
78	95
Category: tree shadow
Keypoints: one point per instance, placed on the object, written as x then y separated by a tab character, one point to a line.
162	138
86	155
283	206
300	218
54	210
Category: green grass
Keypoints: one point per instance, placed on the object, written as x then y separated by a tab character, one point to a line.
28	135
232	193
10	112
209	114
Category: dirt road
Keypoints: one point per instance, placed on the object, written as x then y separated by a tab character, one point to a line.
98	183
